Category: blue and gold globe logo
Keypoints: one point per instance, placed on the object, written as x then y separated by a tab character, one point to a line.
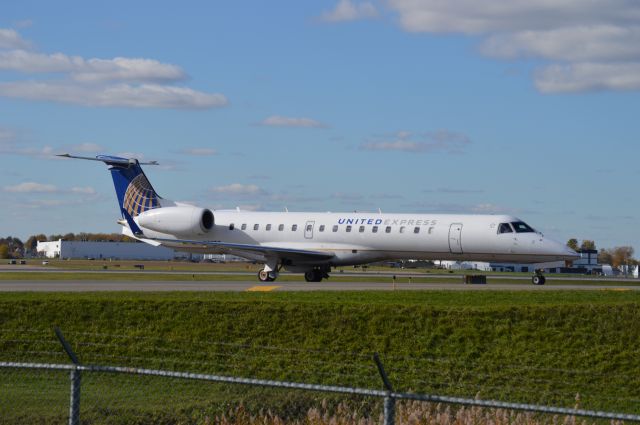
140	196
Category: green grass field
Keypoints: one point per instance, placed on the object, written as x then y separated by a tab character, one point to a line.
284	277
540	347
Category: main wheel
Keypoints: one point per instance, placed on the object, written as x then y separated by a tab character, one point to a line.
313	276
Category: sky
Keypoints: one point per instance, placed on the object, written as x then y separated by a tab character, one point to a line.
529	108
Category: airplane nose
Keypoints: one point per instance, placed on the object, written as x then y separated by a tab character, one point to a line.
567	253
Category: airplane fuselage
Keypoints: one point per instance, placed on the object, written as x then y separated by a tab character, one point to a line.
357	238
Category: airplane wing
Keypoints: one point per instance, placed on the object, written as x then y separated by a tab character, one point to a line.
254	252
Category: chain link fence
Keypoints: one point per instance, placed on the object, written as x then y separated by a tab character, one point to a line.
64	390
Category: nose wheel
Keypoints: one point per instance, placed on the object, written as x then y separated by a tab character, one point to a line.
538	278
267	276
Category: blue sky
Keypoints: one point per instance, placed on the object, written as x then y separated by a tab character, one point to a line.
404	105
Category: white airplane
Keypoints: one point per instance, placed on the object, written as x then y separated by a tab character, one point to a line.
313	243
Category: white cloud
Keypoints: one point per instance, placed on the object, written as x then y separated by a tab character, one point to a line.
91	70
87	147
84	190
239	189
574	44
199	151
491	209
141	96
595	44
494	16
31	187
10	39
280	121
137	155
582	77
117	82
404	141
346	10
347	196
396	145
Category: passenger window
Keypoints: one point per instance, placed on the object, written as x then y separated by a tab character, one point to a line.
281	227
256	226
321	228
348	229
401	229
244	226
388	229
374	229
294	227
268	227
309	227
416	230
231	226
504	228
335	228
361	229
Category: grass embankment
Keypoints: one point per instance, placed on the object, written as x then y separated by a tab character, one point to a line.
530	347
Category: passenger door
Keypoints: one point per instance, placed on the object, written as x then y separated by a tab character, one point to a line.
308	229
455	238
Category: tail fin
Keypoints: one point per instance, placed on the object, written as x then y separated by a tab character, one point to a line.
133	189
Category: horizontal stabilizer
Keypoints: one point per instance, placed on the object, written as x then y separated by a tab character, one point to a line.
109	159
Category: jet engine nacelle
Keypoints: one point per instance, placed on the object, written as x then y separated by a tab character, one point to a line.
183	221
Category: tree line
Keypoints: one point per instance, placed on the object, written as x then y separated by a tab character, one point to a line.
616	257
12	247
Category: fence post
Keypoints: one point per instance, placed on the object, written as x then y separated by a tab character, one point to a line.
389	401
74	401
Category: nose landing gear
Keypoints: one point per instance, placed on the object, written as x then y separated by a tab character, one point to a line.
538	278
267	276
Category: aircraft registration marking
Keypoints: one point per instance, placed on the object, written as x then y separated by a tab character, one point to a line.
263	288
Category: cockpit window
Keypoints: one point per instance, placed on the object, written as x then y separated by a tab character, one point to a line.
522	227
505	228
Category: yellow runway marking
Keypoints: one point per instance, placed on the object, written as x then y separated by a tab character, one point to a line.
262	288
617	289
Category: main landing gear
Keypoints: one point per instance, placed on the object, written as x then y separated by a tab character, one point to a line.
538	278
315	275
270	273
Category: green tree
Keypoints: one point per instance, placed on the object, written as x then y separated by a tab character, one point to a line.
4	251
605	257
622	255
587	244
573	244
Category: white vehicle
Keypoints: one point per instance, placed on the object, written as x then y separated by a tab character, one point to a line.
313	243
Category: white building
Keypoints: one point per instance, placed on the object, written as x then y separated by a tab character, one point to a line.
463	265
106	250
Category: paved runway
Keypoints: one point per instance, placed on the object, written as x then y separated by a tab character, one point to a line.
240	286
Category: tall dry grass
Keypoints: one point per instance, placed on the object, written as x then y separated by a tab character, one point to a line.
407	413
